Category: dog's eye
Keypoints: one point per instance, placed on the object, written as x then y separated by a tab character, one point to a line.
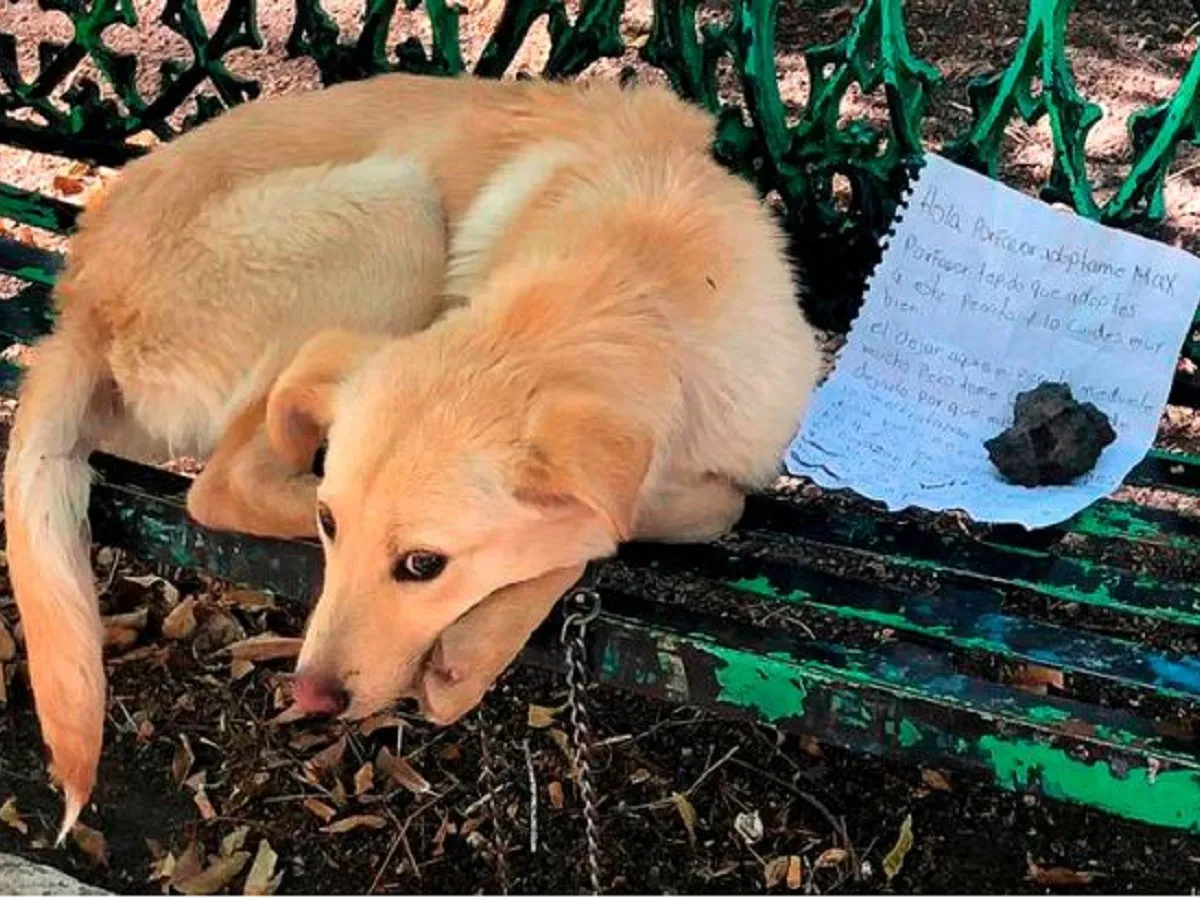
327	522
419	565
318	463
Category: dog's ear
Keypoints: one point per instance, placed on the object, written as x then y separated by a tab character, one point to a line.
587	463
300	406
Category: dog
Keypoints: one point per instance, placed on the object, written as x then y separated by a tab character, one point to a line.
520	322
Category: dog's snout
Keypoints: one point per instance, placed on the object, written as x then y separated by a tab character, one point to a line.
320	695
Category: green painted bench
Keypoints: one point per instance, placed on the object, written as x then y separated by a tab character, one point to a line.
1062	661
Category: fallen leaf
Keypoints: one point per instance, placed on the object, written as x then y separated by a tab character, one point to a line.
337	793
450	753
10	817
163	868
1037	679
183	760
564	744
327	762
934	779
306	740
1058	876
135	620
400	772
541	716
215	877
322	811
240	668
169	591
145	730
350	823
207	812
118	637
8	646
67	186
364	779
235	840
91	842
775	871
439	839
262	871
555	790
749	826
189	863
794	873
264	647
180	622
687	812
894	861
249	601
374	723
639	776
78	168
834	856
218	631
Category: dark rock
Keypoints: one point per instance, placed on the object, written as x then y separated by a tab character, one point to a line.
1053	439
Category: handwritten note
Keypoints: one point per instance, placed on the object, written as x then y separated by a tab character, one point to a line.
983	293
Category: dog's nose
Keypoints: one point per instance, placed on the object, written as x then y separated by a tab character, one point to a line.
320	696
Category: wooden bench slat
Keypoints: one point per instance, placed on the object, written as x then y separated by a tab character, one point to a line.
956	616
1052	574
899	702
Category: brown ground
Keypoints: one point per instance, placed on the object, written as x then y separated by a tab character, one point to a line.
165	811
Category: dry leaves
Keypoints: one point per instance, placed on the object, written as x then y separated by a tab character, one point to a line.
10	817
351	823
749	826
249	601
934	779
180	622
264	647
894	861
240	668
1037	679
262	879
327	762
795	873
400	772
541	716
687	813
1058	876
774	871
834	856
364	779
234	841
215	878
170	593
374	723
322	811
67	186
555	790
92	843
182	762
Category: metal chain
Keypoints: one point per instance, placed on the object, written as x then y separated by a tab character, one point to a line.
487	784
583	605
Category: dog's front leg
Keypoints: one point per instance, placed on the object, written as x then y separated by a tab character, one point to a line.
474	651
246	487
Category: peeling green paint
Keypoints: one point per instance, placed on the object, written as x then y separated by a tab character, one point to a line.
768	686
910	734
1164	798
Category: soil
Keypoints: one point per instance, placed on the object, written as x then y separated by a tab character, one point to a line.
680	792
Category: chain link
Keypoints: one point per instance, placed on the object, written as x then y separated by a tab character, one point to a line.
583	605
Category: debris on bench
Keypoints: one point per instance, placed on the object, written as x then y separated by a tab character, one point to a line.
1054	438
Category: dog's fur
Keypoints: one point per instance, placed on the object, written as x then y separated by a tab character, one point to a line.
530	321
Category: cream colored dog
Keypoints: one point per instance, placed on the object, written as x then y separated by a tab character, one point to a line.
529	321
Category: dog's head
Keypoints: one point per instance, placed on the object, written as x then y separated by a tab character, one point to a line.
450	471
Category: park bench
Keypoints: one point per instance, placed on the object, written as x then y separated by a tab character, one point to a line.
1062	661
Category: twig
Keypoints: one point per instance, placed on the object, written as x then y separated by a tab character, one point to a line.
402	838
533	799
707	772
478	804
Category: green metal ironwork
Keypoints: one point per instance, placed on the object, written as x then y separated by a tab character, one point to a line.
800	155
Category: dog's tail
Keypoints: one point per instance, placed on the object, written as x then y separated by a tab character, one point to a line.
63	404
